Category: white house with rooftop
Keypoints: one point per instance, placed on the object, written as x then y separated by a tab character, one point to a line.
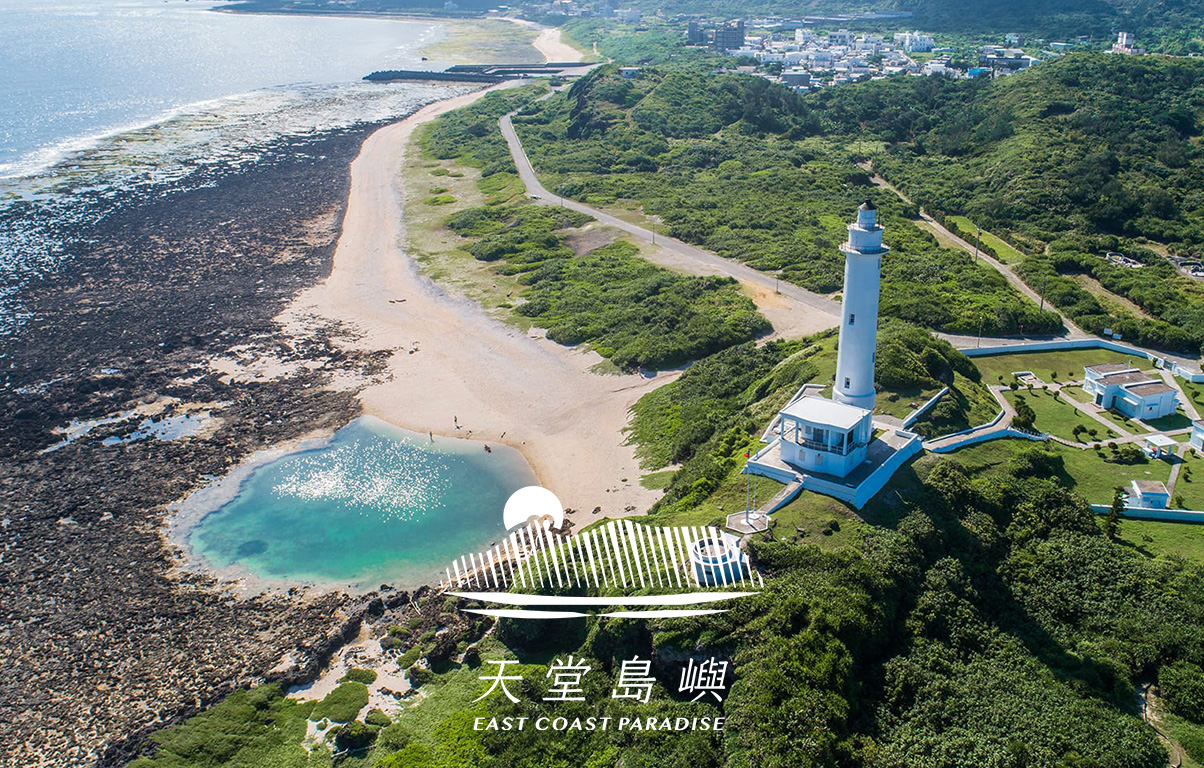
1150	494
829	445
1123	388
1197	436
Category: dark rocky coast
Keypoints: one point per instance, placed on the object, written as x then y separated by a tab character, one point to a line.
103	638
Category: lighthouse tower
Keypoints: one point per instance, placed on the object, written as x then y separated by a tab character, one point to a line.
859	318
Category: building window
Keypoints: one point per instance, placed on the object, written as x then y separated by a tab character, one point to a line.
852	318
846	382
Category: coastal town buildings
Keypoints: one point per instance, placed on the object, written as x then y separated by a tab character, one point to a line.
1197	436
1122	388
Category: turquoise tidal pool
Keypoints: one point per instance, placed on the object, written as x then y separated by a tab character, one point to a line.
373	505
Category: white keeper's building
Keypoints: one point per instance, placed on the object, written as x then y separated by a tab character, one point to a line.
1121	387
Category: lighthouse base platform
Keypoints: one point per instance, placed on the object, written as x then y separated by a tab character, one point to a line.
888	451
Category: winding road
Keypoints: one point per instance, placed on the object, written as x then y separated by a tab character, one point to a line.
793	311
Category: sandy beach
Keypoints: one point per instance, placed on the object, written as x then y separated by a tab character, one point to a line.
470	370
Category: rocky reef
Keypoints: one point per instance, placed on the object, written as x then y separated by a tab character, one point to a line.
104	636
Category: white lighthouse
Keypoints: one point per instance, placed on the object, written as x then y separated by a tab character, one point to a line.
832	446
859	311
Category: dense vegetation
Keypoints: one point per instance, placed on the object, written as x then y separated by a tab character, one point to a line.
734	164
628	310
1069	160
993	625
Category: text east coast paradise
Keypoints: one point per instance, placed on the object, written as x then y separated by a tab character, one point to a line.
548	723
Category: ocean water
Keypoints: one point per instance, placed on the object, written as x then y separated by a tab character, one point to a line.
77	70
106	101
374	505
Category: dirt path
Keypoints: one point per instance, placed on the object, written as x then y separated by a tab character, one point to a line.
947	237
791	310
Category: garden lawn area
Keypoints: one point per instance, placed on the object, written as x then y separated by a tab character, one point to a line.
1059	418
1183	539
1058	365
1177	420
1006	253
1190	485
1086	471
1194	392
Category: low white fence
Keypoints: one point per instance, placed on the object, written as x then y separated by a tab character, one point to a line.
923	409
1154	513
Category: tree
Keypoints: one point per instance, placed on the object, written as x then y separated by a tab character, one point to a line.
1129	453
1025	415
1112	521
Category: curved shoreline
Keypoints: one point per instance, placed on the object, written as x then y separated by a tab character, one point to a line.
471	375
187	514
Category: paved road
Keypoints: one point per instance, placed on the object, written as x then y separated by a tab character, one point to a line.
799	311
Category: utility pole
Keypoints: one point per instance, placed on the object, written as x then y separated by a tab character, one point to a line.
977	240
1043	283
747	487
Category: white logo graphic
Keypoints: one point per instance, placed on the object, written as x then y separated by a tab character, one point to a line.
695	566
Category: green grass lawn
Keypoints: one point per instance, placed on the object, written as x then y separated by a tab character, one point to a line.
815	519
1006	253
1154	537
1177	420
1060	365
658	481
1060	418
1190	485
903	402
1194	392
1087	473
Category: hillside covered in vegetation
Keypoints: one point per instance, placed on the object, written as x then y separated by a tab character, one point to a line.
1069	160
741	166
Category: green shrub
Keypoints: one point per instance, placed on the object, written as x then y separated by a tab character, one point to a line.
365	676
378	718
354	736
1128	453
419	676
408	658
343	704
1182	685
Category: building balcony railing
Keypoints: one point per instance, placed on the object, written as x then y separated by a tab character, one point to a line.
839	450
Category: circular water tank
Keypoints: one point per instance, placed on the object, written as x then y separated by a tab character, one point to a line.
716	560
